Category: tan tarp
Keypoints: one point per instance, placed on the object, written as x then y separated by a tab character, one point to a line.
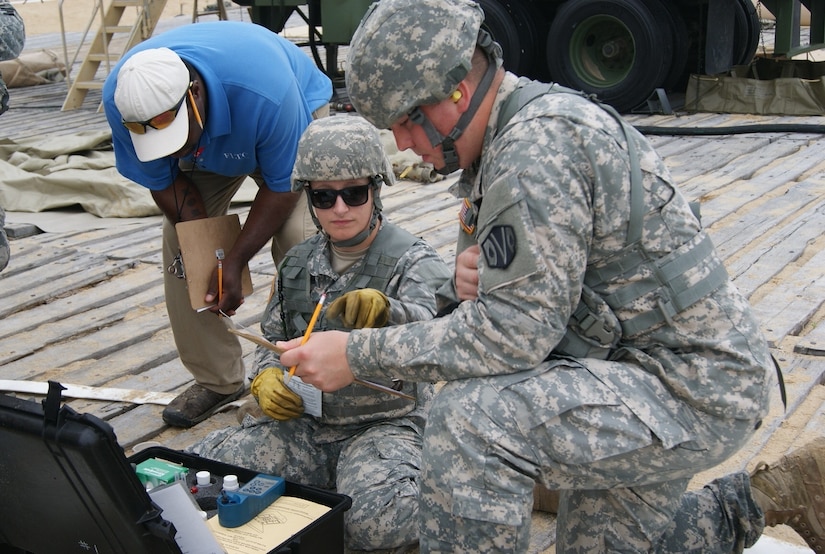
35	68
407	164
46	173
766	87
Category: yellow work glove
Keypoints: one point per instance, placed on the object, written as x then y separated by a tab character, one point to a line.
276	399
361	308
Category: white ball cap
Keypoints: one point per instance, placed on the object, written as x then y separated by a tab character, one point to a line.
149	83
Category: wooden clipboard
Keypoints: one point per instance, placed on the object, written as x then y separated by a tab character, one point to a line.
199	239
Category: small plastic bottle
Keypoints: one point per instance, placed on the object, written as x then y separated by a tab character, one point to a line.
203	478
230	483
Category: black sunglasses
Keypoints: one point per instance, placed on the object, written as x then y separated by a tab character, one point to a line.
323	199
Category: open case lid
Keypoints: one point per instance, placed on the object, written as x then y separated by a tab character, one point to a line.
68	487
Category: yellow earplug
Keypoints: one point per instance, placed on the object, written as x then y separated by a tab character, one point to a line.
455	96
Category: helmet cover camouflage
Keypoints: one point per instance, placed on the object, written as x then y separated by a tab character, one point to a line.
12	32
407	53
339	148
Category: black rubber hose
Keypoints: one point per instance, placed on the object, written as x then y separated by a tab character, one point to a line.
731	130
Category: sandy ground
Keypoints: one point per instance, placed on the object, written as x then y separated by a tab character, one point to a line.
44	16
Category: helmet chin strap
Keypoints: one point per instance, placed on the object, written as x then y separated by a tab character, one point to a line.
362	236
447	143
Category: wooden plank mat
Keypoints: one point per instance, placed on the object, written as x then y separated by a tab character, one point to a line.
813	343
779	245
788	307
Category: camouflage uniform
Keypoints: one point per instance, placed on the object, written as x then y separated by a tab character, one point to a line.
550	205
12	37
5	250
367	444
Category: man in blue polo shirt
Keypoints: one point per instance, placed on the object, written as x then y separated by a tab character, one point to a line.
195	111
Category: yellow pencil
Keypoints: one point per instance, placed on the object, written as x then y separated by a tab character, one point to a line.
219	255
312	321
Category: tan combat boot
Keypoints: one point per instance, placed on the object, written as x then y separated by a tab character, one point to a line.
792	492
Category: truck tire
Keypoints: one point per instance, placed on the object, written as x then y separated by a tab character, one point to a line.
511	26
619	50
678	75
732	35
746	36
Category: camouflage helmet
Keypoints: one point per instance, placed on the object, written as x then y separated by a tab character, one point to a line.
338	148
408	53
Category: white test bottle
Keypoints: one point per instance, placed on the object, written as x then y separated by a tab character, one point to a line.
230	483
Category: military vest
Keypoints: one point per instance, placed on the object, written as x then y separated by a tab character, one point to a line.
594	330
355	403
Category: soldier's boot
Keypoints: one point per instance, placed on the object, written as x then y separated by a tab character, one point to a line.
792	492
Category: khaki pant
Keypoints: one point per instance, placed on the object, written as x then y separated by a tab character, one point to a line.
208	352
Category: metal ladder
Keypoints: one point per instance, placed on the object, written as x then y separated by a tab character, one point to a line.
219	10
104	49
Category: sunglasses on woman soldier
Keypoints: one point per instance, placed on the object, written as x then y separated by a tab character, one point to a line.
324	199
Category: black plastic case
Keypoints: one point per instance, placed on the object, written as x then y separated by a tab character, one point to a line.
68	487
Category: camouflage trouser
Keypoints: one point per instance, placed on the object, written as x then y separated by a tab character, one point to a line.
12	38
378	466
5	251
488	440
4	96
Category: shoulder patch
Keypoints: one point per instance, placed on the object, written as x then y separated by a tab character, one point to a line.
467	216
499	247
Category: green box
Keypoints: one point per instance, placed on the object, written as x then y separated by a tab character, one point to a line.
156	472
340	18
